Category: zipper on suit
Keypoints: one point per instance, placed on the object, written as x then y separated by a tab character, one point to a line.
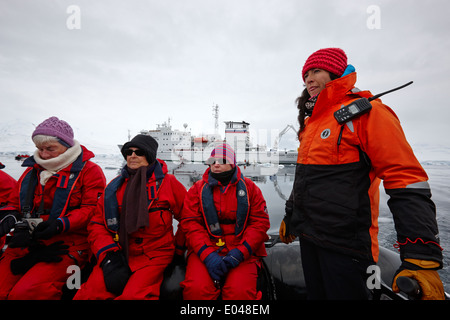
339	140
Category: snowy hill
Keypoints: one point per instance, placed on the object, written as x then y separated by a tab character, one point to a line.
15	137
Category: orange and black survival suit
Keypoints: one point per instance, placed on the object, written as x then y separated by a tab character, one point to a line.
336	189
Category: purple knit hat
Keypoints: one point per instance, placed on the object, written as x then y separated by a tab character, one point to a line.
223	152
55	128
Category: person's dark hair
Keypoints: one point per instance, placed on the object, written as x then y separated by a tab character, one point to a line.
300	101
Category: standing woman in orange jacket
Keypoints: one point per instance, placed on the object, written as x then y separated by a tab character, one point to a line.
131	233
334	204
56	195
225	221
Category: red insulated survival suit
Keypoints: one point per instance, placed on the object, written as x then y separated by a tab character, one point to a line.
45	280
243	225
7	184
151	249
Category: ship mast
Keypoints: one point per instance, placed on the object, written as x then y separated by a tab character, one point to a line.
216	118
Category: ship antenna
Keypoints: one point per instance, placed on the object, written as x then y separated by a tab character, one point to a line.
216	118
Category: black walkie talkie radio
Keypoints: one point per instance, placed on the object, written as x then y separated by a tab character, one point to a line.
360	106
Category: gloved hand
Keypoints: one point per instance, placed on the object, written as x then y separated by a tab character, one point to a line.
116	272
21	236
39	253
8	221
424	272
284	231
216	266
47	229
233	258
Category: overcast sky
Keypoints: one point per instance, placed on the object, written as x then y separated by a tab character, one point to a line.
129	65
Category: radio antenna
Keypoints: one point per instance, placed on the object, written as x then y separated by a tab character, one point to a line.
389	91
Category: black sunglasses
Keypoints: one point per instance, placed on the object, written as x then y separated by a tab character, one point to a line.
213	160
137	152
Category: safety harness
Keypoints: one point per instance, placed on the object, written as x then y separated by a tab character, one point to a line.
211	217
64	187
111	204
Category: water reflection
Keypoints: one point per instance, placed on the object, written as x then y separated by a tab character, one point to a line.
274	181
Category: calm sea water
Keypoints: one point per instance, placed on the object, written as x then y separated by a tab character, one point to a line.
276	184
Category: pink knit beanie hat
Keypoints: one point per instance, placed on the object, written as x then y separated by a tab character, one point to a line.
333	60
55	128
223	152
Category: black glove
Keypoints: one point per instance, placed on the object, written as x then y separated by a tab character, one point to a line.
116	272
47	229
8	220
39	253
21	236
285	230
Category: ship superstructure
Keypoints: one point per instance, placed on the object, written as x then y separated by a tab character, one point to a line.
182	146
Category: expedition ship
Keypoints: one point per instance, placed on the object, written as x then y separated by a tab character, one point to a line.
181	146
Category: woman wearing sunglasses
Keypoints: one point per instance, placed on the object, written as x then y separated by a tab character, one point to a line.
131	233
